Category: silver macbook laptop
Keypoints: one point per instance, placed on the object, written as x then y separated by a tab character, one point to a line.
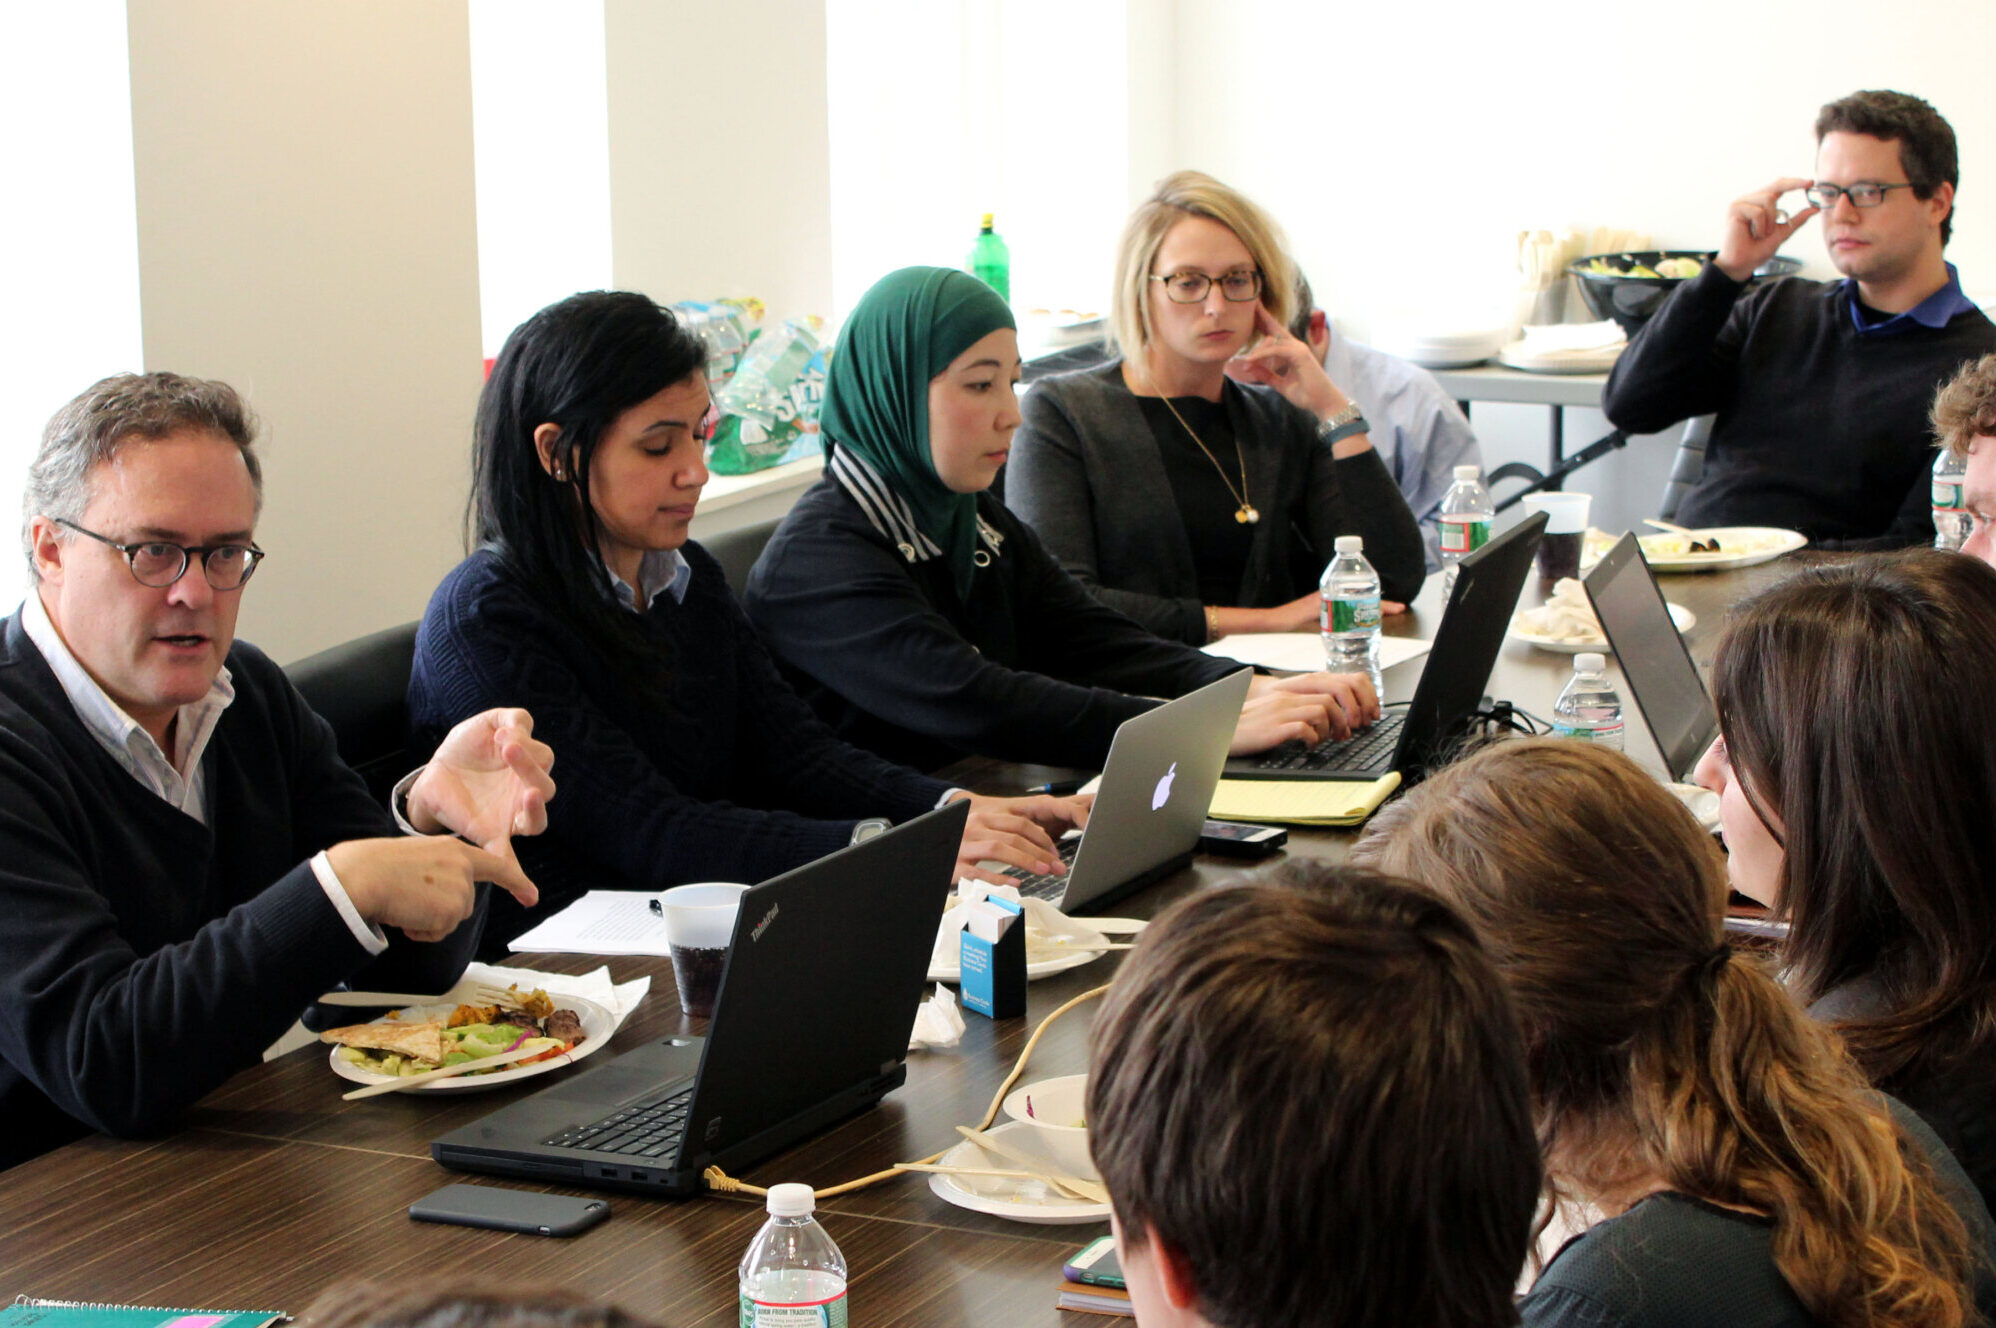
1662	677
1163	768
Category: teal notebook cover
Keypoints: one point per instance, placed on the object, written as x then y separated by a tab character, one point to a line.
81	1314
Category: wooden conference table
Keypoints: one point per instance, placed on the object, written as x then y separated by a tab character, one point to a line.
275	1188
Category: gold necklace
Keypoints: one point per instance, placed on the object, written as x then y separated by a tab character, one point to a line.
1246	514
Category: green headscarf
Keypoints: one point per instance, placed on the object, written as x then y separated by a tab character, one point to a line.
904	332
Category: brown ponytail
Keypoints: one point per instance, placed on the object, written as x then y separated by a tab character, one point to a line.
1654	1049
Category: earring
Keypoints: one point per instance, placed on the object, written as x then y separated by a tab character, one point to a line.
558	473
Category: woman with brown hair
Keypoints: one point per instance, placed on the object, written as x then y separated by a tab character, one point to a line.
1743	1171
1856	775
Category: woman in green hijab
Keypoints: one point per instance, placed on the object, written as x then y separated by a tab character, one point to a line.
921	617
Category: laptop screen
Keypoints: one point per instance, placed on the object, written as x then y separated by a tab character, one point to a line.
1653	656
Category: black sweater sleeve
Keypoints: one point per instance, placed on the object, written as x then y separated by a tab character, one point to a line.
1685	360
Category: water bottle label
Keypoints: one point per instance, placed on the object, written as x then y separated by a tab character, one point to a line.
1947	497
770	1314
1463	536
1608	734
1354	615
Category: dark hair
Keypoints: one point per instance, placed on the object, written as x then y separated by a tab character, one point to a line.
1965	407
1859	713
1657	1051
1306	304
1926	141
439	1303
577	364
1310	1084
111	412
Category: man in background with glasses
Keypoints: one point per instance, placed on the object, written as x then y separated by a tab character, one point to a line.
1821	389
184	861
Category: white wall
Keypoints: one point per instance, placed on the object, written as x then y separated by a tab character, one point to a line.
307	233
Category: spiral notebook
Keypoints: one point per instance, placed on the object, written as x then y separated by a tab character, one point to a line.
27	1310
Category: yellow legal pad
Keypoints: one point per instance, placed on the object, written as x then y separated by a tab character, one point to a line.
1302	801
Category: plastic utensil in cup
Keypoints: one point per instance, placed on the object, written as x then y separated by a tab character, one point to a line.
1057	1110
699	922
1566	529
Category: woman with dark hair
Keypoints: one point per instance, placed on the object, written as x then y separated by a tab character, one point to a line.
1856	773
925	620
1744	1171
684	755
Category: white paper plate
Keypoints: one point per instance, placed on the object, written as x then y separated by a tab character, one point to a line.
945	964
1763	545
1683	617
597	1022
1017	1200
1701	802
1571	362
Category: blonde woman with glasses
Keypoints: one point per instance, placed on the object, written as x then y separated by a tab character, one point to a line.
1197	482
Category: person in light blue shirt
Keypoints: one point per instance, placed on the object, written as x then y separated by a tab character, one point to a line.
1420	433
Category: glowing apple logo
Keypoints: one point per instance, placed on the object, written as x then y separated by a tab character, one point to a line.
1163	794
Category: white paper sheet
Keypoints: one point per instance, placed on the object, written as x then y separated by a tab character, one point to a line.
1303	652
604	922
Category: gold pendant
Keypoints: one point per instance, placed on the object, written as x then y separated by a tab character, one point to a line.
1247	515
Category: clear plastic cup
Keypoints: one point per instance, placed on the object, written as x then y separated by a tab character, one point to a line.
699	923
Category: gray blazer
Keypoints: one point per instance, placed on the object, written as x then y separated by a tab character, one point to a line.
1086	475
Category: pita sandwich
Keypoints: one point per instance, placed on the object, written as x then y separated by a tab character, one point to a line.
420	1040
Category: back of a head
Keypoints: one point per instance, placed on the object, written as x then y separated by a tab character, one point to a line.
1178	196
1926	141
1858	710
1310	1085
1657	1054
444	1303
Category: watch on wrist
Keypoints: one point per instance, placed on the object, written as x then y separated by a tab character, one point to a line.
1342	426
871	828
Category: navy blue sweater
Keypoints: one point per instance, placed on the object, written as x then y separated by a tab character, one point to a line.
737	781
144	956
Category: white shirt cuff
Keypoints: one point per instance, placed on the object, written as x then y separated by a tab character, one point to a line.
371	937
398	804
954	793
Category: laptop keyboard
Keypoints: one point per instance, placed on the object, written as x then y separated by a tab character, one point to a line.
644	1129
1041	886
1371	750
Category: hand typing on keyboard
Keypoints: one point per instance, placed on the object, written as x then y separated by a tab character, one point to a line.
1307	708
1017	832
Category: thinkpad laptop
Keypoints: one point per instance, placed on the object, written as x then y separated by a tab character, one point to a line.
1156	786
1457	669
824	974
1653	656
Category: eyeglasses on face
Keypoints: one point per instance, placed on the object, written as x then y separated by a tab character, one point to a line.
1238	286
159	564
1865	195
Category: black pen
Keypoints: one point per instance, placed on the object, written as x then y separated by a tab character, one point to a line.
1059	788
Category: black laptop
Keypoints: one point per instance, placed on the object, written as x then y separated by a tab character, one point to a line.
1653	656
825	972
1421	737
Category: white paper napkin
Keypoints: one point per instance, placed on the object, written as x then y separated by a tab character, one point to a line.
619	998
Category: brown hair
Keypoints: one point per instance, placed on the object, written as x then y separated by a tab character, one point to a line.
1310	1085
1178	196
1965	407
441	1303
1859	713
1926	141
1654	1050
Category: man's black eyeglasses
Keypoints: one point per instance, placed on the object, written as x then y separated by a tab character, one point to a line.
1865	195
158	564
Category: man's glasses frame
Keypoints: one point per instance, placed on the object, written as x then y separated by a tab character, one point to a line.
161	555
1864	194
1191	287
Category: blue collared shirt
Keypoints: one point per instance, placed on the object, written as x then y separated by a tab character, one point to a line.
659	571
1936	311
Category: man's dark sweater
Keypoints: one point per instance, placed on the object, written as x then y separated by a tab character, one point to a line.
1820	428
736	780
146	957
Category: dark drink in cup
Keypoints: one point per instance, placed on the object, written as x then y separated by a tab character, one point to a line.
697	970
1559	555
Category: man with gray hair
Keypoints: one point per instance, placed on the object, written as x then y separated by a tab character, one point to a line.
184	861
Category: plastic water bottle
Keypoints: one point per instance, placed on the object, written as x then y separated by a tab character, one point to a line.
793	1276
1466	515
991	261
1589	709
1952	522
1349	616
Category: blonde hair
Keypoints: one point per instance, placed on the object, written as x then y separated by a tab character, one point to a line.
1965	408
1654	1049
1178	196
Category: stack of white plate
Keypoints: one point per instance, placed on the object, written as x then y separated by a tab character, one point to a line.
1440	350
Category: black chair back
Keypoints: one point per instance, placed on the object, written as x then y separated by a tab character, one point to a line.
361	688
736	550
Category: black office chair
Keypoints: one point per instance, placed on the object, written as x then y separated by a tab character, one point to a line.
361	688
736	550
1687	465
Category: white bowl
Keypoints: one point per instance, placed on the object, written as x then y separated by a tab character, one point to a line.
1056	1109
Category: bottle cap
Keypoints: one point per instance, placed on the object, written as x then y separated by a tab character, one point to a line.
1350	544
792	1200
1469	472
987	221
1588	662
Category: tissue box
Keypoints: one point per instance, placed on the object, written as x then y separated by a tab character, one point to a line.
994	959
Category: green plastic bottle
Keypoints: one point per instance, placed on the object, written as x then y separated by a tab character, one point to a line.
991	262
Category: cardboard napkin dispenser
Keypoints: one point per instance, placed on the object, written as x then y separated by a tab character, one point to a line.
994	958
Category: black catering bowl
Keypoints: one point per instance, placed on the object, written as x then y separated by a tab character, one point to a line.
1631	300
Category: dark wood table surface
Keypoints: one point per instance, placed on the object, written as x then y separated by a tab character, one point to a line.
275	1188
